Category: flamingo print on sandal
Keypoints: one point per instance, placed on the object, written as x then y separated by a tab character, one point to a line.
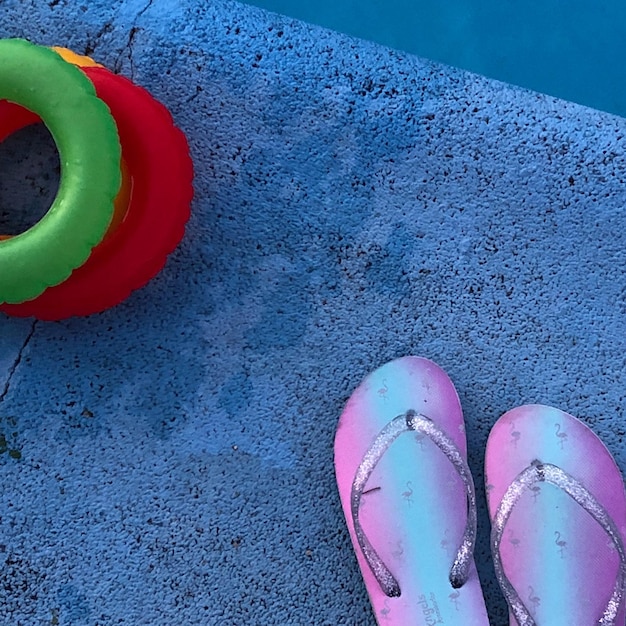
558	509
408	496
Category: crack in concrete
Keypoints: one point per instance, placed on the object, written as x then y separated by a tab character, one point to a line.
93	42
18	360
128	48
144	10
195	95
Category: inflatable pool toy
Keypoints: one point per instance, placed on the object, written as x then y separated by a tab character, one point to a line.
86	137
145	217
145	212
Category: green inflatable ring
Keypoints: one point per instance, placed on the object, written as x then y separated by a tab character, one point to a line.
86	137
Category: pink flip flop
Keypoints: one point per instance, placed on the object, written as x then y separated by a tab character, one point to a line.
408	496
558	510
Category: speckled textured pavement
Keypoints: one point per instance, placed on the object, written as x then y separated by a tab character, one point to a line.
170	460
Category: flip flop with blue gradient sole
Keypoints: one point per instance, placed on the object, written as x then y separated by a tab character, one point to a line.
400	460
558	509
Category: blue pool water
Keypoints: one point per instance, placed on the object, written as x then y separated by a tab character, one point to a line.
573	49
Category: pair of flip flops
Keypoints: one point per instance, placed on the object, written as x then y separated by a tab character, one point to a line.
556	500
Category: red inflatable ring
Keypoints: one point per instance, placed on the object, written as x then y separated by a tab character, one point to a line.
157	156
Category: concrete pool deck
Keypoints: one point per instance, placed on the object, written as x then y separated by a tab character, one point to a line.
170	460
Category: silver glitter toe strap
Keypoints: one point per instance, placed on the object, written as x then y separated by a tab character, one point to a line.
545	472
407	422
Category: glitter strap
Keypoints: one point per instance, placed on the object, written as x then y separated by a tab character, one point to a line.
407	422
545	472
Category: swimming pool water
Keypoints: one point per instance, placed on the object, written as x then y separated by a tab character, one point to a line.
573	49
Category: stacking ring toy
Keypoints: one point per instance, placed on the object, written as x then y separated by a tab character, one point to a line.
86	138
151	208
